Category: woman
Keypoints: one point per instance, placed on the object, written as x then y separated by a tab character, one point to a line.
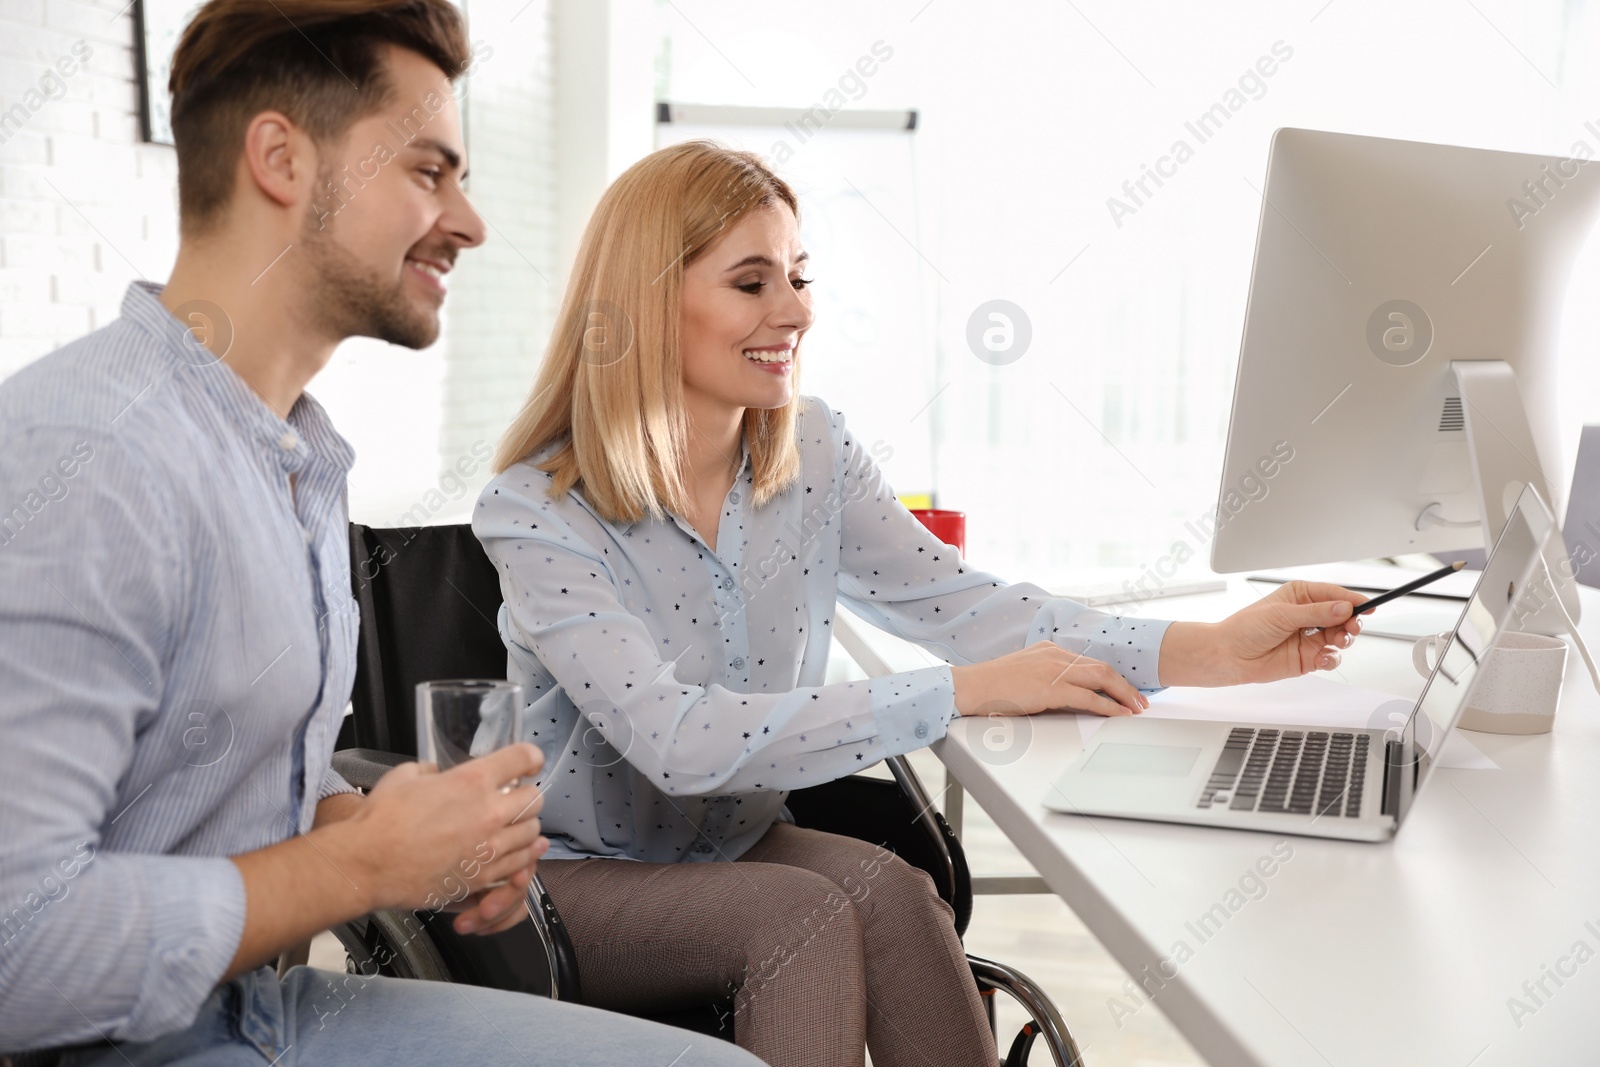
673	523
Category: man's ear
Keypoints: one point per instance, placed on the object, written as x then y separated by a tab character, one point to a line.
279	159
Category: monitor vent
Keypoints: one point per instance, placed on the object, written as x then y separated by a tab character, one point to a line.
1451	418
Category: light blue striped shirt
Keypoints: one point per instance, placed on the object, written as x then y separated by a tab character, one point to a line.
678	691
176	653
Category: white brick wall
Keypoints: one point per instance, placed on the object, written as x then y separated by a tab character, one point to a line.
503	295
85	207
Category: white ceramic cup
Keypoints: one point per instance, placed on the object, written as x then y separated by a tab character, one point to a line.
1518	686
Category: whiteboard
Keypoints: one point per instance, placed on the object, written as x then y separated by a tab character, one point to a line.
870	353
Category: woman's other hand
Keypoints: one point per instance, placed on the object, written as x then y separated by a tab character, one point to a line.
1044	677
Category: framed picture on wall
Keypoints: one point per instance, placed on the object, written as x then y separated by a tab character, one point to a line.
157	24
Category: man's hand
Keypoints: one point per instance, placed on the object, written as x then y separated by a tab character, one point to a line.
420	839
426	839
490	911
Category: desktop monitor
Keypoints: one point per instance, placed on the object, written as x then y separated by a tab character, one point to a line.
1397	378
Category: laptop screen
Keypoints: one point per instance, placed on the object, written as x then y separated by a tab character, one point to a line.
1514	587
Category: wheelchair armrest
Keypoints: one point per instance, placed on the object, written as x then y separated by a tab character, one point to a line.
362	767
1046	1021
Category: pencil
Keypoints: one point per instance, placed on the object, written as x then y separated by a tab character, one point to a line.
1397	592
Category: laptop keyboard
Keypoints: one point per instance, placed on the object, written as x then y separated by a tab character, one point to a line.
1298	772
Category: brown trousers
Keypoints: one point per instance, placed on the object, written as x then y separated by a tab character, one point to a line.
825	945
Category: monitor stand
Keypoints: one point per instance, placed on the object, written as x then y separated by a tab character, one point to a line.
1504	459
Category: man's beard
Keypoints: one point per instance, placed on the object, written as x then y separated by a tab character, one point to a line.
350	300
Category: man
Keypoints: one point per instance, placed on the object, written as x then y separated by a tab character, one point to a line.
176	624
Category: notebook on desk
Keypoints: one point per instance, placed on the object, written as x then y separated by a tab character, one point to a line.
1357	784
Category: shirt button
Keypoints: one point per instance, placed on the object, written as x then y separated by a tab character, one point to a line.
733	497
727	583
921	731
288	441
738	663
702	848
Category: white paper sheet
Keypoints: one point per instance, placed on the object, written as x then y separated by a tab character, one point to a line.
1304	701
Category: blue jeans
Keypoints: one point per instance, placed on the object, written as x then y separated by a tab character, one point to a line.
313	1017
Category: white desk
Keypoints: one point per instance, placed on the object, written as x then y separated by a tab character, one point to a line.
1403	953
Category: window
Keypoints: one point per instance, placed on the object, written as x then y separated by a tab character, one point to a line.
1046	171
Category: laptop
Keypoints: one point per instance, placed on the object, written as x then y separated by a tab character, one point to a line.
1356	784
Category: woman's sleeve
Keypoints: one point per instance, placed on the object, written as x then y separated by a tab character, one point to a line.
562	605
895	574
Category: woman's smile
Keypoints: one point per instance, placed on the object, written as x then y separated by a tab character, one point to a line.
773	359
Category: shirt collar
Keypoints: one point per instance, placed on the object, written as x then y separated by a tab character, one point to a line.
306	435
622	525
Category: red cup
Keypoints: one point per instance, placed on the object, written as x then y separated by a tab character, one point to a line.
948	526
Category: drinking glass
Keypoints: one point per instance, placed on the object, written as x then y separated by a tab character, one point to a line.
460	719
464	718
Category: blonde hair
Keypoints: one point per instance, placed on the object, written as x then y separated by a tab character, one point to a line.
610	388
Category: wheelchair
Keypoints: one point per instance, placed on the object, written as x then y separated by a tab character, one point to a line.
429	598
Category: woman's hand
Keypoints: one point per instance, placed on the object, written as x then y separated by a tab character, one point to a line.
1042	677
1267	640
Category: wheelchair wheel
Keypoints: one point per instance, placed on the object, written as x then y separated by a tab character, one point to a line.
393	944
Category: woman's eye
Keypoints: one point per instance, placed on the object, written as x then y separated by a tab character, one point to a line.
753	288
801	283
433	174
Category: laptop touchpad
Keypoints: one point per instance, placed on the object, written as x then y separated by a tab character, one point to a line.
1172	761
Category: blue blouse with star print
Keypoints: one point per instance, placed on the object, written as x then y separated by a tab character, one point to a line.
677	692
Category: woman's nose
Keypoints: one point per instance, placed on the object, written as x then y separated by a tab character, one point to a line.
796	311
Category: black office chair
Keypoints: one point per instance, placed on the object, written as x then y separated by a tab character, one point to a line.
429	598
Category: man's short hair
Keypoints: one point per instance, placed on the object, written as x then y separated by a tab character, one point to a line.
320	62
